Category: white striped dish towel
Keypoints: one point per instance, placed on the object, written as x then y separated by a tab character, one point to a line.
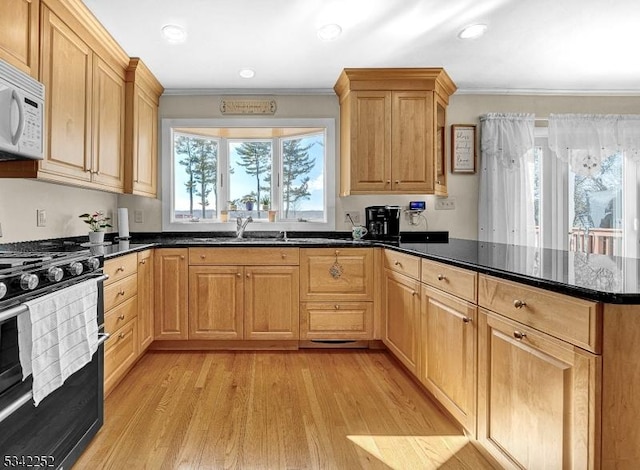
58	335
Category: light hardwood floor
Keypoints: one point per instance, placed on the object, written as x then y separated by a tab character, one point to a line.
275	410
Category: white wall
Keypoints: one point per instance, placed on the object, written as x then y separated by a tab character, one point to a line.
20	198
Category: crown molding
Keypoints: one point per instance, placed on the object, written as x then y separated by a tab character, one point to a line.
247	91
542	91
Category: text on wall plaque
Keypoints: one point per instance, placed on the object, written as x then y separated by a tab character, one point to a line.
237	106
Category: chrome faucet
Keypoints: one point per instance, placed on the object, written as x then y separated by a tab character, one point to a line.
240	226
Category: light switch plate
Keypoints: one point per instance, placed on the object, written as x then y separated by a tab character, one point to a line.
41	218
445	204
137	217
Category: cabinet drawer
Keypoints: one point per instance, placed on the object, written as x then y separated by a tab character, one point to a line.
121	267
402	263
118	316
118	292
574	320
336	320
120	352
244	256
456	281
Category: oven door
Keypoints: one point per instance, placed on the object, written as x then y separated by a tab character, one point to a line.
55	433
10	370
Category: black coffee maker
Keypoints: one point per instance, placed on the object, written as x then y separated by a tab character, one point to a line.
383	222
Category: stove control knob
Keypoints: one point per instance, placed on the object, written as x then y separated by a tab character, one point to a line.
93	264
75	268
55	274
29	281
3	289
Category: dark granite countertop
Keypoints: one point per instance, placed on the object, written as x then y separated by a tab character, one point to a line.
600	278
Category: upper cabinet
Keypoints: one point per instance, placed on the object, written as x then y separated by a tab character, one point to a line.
19	34
101	106
141	142
392	130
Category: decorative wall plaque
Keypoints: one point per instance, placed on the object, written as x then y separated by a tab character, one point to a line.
248	106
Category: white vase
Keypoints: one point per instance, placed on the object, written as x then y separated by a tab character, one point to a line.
96	238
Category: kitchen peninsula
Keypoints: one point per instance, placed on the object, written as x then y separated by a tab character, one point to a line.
492	332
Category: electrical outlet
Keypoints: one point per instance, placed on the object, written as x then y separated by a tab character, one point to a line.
137	217
355	217
445	204
41	218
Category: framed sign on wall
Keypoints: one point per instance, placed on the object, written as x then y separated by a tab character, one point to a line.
463	148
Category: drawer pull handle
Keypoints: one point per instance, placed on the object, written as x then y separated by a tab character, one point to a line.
519	303
121	335
121	292
337	307
466	320
121	317
144	261
121	268
397	263
203	256
414	293
441	277
519	335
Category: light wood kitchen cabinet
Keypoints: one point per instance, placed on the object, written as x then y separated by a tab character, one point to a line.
537	397
171	320
402	318
120	318
19	23
392	130
145	299
337	293
83	71
141	140
231	298
448	364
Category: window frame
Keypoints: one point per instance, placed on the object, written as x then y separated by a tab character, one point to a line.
168	175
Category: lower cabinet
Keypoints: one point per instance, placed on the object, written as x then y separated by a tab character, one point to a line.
536	397
402	318
336	320
145	299
120	354
171	288
448	353
243	302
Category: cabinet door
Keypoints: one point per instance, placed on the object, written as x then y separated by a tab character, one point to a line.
402	318
412	160
370	135
448	353
145	299
216	302
536	397
67	75
440	159
171	304
272	295
19	39
107	166
336	320
145	145
336	274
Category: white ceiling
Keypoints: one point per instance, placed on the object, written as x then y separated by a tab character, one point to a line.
530	45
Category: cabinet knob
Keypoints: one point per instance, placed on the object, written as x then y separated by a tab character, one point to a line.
466	320
397	181
121	292
121	268
181	256
519	303
438	182
203	256
336	306
283	255
519	335
248	274
121	335
441	277
121	317
144	261
388	181
414	293
397	263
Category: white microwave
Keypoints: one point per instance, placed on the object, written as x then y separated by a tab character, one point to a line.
21	115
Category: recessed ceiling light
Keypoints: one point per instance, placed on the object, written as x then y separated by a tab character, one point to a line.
174	33
329	32
473	31
247	73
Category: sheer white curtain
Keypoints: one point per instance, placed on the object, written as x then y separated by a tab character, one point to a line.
585	140
506	206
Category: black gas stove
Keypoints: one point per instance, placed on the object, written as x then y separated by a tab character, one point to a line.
24	274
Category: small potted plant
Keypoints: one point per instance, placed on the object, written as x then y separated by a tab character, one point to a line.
249	200
233	205
97	222
265	201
